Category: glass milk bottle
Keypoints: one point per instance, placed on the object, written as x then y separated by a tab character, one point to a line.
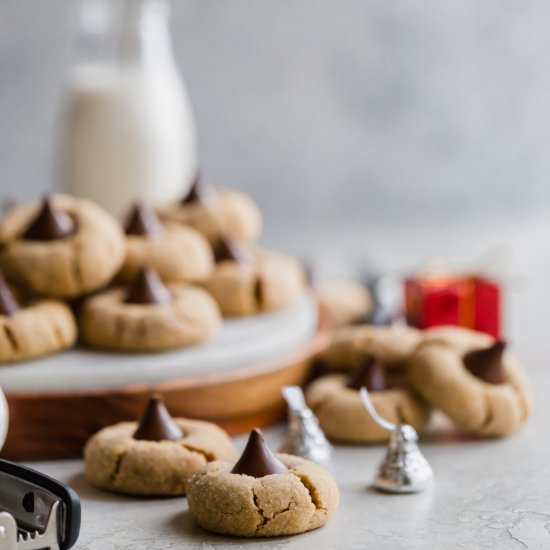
129	132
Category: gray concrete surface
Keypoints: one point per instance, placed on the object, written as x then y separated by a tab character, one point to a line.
487	494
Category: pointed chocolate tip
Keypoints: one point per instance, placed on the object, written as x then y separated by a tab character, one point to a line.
50	224
257	459
371	375
156	424
228	249
143	221
486	364
199	192
8	304
147	288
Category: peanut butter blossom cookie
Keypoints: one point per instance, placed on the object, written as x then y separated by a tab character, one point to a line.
64	248
216	212
351	346
336	402
176	252
155	456
262	495
34	328
472	381
246	282
344	302
149	316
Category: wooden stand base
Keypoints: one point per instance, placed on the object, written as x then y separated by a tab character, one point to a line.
56	425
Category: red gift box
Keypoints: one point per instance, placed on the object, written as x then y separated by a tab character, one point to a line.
467	301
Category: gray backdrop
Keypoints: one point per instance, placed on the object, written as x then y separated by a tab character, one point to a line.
331	113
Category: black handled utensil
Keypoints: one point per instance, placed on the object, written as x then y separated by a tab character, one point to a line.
36	511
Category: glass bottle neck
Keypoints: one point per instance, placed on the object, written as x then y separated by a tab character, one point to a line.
143	36
124	33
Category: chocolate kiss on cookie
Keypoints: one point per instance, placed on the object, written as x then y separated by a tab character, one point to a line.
156	424
257	459
143	221
199	192
371	375
228	249
8	303
486	364
50	224
147	288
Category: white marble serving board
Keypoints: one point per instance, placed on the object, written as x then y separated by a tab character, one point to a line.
240	342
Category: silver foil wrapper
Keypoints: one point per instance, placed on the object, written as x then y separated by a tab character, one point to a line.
304	437
404	468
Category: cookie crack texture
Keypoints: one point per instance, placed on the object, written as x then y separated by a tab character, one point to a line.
117	466
288	508
264	518
311	489
10	337
207	455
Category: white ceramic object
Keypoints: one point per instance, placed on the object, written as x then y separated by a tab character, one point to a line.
239	343
4	418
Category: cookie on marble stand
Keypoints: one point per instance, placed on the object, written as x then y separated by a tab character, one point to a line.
469	377
149	316
216	212
344	302
248	281
176	252
32	328
337	404
156	456
62	248
262	495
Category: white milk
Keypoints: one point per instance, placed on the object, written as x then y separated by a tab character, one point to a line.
129	135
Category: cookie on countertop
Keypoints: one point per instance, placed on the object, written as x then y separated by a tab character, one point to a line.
247	282
176	252
350	346
460	338
149	316
156	456
344	302
30	329
63	248
336	401
262	495
216	212
476	384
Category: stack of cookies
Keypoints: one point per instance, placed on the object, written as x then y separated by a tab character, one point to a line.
69	271
463	373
